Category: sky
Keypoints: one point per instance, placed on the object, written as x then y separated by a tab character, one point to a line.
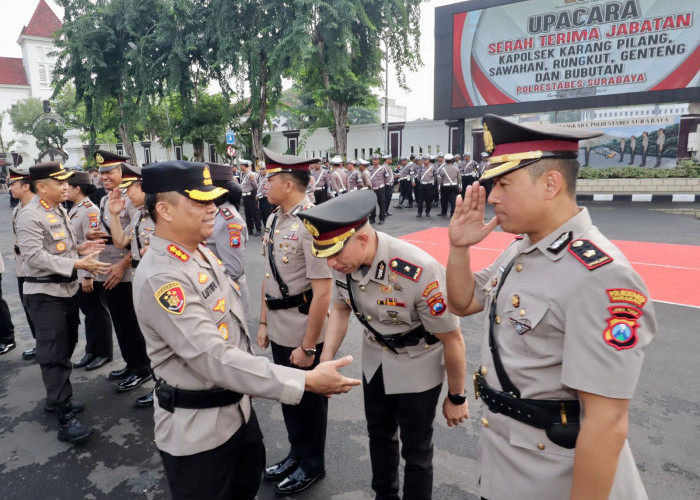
419	100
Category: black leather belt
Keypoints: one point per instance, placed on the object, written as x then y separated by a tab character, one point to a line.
52	278
17	252
290	301
109	241
409	339
134	263
170	397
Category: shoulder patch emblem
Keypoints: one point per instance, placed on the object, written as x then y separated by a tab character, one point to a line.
171	297
234	239
431	286
621	331
94	220
44	204
233	225
406	269
178	253
227	214
588	254
437	305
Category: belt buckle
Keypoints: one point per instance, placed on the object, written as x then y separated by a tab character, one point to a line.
476	385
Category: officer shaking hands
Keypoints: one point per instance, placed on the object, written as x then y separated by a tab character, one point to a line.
192	319
397	292
568	321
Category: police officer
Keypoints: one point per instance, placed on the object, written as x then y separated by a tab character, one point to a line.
297	293
354	180
84	216
249	188
405	179
363	175
21	189
205	427
568	320
50	251
7	328
449	179
265	208
339	178
117	283
377	178
469	171
410	339
389	183
321	182
425	182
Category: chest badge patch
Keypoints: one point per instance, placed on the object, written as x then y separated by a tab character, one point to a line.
202	278
391	302
386	289
60	246
171	297
521	326
223	330
220	306
621	330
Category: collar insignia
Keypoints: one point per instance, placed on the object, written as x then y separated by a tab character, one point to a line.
177	252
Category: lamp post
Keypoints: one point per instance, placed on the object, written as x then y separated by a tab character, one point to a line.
386	94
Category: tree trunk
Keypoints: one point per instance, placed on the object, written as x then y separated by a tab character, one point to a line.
257	124
256	134
125	132
198	145
340	136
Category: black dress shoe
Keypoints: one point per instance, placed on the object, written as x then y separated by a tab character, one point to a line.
419	215
442	215
380	222
84	361
298	481
29	353
75	404
144	401
132	382
398	206
281	470
388	214
6	347
119	374
74	431
98	362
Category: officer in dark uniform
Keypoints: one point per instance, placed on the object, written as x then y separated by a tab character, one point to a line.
205	427
49	246
410	340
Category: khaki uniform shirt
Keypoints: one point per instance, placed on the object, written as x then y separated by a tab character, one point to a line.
377	176
339	180
297	266
19	262
228	243
426	174
249	181
397	296
448	175
263	188
196	337
112	254
354	180
48	245
365	178
563	328
83	217
320	178
140	231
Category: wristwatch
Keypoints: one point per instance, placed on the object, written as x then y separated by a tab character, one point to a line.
457	399
310	353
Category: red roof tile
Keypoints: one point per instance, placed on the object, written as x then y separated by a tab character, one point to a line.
12	71
44	23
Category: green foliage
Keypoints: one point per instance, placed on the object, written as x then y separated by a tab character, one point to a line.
687	169
48	133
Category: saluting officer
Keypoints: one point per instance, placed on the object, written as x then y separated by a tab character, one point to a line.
230	236
296	296
339	178
21	189
249	188
410	339
192	317
50	250
568	321
449	179
85	216
117	282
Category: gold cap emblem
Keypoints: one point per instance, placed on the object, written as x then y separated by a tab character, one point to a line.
488	139
99	159
311	228
207	177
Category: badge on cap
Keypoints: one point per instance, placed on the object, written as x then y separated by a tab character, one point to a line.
171	297
99	159
311	228
488	139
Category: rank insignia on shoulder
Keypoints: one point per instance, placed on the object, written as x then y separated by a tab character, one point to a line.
406	269
175	251
341	284
558	244
44	204
233	225
226	213
171	297
588	254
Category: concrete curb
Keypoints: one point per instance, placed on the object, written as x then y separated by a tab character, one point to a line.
640	197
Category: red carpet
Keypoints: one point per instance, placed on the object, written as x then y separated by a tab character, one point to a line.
671	272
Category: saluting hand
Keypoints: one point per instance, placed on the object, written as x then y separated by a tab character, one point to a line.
467	226
326	379
116	203
454	414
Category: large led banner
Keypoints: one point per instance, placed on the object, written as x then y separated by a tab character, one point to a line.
550	51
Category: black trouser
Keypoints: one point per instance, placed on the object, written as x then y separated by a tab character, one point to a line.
306	422
56	320
405	191
230	471
413	415
320	195
659	151
98	325
644	158
126	327
425	197
468	180
7	329
622	155
266	209
381	201
632	156
436	194
252	218
20	288
448	196
388	193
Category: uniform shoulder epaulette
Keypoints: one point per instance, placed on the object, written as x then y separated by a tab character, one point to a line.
85	203
178	253
45	204
406	269
226	213
588	254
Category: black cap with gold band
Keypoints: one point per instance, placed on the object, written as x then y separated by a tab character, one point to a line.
513	145
16	174
277	163
49	170
106	160
130	174
79	178
335	221
190	179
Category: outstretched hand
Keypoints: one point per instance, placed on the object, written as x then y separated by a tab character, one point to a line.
326	379
467	225
116	203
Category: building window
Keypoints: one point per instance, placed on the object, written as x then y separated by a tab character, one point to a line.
292	145
212	153
355	153
147	155
178	152
120	149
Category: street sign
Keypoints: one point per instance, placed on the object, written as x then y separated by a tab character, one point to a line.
231	151
230	137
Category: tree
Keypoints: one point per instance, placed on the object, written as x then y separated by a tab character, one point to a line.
48	133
